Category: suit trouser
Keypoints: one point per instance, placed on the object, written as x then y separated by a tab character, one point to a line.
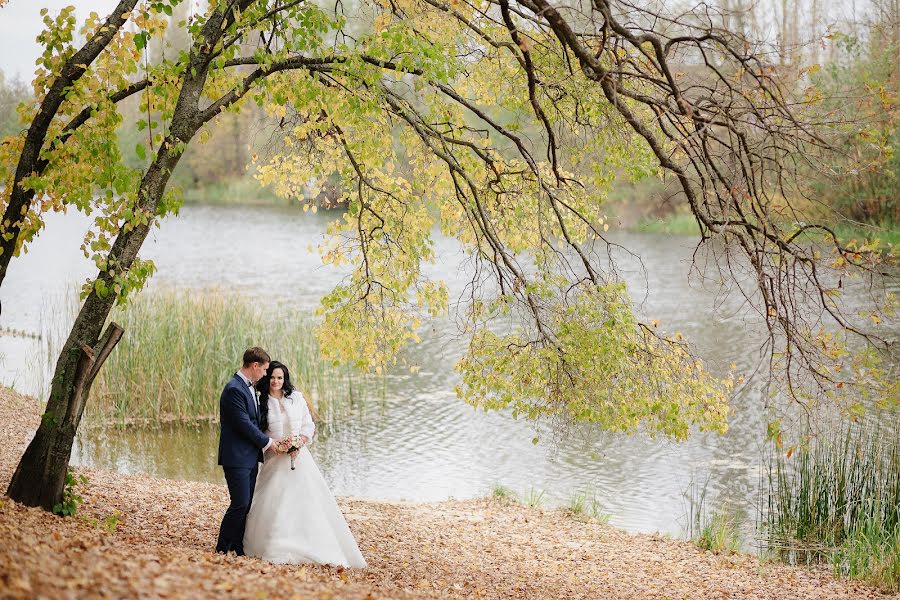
241	481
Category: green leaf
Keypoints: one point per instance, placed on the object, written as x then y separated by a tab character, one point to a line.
141	151
100	288
140	40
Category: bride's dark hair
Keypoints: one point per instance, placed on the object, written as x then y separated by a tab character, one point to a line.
263	387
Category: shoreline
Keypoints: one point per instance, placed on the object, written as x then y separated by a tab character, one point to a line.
137	535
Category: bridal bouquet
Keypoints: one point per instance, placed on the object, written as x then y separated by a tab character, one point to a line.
291	444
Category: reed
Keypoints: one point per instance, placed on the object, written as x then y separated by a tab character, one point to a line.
533	497
837	499
871	551
180	347
717	531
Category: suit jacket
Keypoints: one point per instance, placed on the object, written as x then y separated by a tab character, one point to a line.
240	439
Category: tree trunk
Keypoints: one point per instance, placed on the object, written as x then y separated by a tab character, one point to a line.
783	34
814	33
41	475
795	36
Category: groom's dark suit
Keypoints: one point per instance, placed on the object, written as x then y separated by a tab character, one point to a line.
240	450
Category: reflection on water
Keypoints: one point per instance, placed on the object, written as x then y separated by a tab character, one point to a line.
417	441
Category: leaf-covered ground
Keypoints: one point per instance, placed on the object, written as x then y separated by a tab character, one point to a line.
162	545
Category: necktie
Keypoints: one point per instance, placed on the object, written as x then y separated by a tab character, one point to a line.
255	398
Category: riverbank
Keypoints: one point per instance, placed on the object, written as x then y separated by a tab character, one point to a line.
685	224
630	216
247	191
244	191
136	536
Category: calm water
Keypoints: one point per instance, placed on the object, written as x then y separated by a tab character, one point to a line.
418	442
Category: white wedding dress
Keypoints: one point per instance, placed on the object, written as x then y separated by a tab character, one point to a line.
294	518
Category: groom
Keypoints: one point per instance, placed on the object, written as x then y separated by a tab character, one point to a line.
241	447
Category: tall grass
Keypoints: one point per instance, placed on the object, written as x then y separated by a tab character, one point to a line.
837	499
181	347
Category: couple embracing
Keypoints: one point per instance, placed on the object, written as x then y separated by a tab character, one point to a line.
287	514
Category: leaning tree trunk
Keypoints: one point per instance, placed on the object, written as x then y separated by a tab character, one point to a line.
40	478
41	475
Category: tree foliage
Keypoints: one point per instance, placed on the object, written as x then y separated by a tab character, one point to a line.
501	123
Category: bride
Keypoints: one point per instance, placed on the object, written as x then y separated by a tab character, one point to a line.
294	517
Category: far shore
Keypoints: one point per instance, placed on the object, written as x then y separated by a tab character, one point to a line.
139	536
623	216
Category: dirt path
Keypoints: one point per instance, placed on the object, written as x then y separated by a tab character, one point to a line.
161	547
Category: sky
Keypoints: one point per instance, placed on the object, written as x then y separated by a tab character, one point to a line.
20	24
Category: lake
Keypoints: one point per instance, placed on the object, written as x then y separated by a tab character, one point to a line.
416	440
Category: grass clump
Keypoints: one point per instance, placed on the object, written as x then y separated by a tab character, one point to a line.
501	492
586	507
717	531
533	497
837	500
